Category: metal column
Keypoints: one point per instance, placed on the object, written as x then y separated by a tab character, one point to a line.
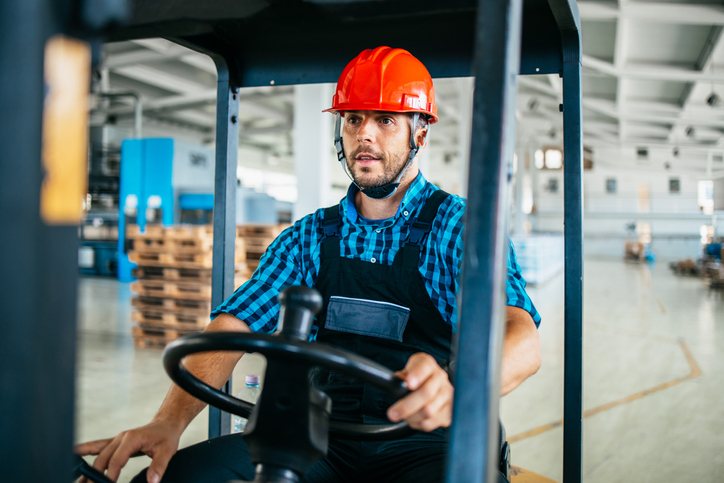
38	287
474	445
573	219
227	152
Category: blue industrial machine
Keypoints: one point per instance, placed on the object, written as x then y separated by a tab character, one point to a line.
163	181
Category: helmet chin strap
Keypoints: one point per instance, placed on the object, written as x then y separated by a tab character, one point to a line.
389	189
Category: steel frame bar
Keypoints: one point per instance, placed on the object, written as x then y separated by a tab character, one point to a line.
222	275
474	445
38	290
573	219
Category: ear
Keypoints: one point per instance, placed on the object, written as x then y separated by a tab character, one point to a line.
421	137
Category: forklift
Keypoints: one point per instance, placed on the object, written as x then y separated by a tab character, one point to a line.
256	43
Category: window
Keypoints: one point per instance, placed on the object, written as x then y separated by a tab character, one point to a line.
644	205
611	185
674	186
553	159
706	196
549	158
552	185
527	195
539	159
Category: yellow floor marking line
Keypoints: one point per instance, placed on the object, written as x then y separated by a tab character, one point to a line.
661	305
694	373
645	277
519	475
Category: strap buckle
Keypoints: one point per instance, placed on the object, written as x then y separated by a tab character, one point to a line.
330	227
418	230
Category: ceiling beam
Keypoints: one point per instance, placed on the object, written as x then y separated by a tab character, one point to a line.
140	56
192	101
703	63
650	72
196	59
159	78
675	13
619	60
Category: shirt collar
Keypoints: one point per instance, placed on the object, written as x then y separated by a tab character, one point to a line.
408	205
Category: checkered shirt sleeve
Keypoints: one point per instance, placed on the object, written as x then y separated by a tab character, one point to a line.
294	258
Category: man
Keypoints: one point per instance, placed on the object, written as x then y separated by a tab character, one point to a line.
386	261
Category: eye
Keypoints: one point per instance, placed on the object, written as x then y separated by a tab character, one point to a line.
352	120
387	120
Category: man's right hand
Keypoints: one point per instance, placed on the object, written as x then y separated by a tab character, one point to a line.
158	439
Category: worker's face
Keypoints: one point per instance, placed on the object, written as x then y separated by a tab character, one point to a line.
376	145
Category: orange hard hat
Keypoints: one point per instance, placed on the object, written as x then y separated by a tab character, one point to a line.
385	79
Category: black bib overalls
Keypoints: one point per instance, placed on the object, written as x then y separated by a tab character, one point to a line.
382	312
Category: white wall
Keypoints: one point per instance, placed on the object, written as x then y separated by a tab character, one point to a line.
675	218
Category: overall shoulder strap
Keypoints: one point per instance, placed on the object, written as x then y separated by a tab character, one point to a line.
331	227
409	253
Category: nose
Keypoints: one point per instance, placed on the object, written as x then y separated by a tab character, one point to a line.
365	133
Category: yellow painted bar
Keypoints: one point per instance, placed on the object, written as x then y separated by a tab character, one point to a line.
65	130
519	475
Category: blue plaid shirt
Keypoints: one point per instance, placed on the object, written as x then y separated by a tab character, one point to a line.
294	257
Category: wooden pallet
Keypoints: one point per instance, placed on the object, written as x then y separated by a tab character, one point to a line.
179	290
260	230
188	275
185	306
183	232
178	260
243	275
257	244
143	244
155	337
160	318
191	231
150	231
179	274
177	231
182	245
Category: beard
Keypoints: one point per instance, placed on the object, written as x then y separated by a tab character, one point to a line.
363	176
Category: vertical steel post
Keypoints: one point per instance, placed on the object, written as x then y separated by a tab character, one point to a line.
38	287
573	219
227	149
474	444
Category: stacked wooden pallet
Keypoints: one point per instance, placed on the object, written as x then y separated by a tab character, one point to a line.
257	238
173	290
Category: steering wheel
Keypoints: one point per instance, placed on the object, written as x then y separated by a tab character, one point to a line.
287	404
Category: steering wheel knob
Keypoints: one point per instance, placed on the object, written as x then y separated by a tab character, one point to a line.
299	305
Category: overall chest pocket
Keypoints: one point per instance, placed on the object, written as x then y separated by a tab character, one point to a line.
367	317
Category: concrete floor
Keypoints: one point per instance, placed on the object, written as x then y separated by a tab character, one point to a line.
653	377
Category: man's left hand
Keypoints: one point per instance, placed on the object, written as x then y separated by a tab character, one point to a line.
429	405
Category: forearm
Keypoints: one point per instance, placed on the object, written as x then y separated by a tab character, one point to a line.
521	350
214	368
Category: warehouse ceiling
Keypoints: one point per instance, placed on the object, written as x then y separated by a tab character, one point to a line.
653	78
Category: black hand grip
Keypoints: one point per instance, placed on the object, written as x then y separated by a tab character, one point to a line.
82	468
299	305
